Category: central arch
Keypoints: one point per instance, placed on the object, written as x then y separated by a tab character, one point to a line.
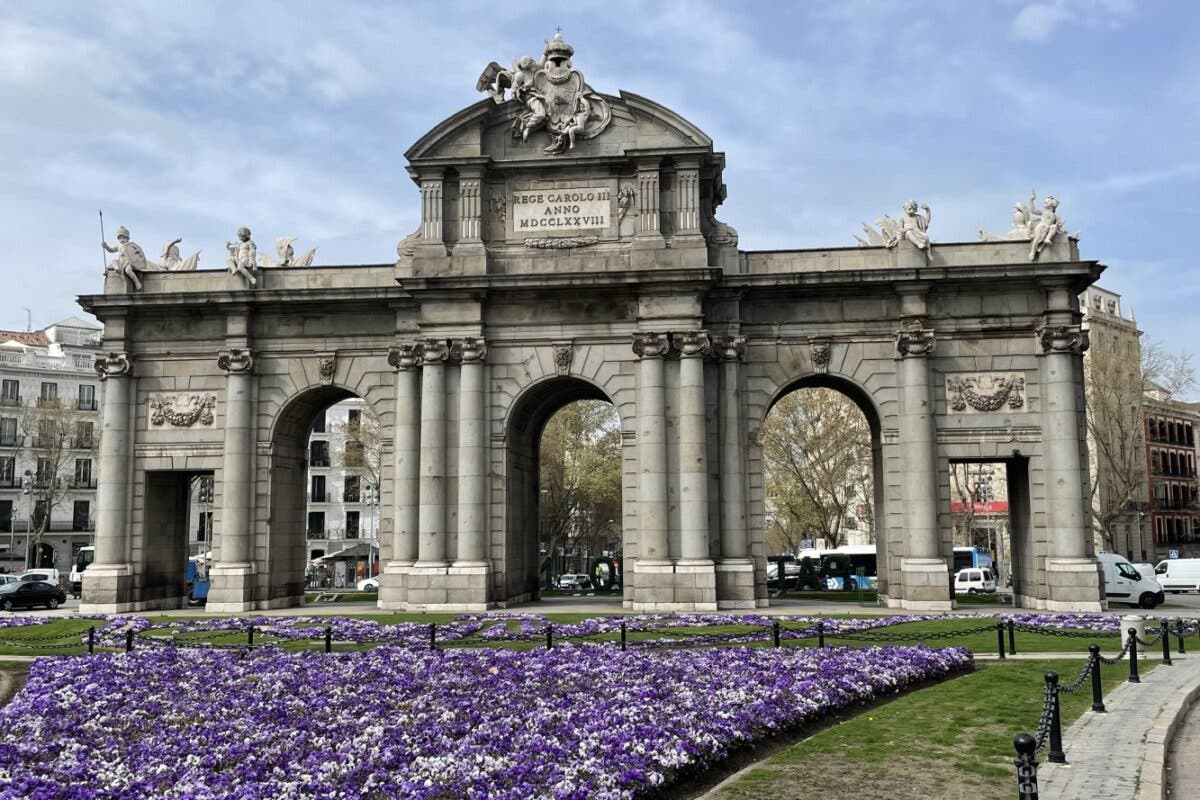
528	419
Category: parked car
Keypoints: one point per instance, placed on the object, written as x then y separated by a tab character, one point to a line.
974	580
574	580
8	579
27	594
368	584
1179	574
44	574
1124	584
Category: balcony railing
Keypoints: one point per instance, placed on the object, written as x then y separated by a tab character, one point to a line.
9	440
83	483
51	401
317	533
10	482
10	400
87	405
319	497
82	443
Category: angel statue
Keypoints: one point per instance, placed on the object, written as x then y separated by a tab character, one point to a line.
915	228
1022	217
287	256
1048	225
131	259
243	257
173	262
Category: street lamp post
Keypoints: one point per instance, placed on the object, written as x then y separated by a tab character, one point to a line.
26	488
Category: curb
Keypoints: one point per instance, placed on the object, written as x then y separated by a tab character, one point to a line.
1152	777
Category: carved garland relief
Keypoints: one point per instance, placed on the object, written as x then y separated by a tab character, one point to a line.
181	410
985	392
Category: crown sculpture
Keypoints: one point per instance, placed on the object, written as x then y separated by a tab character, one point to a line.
554	95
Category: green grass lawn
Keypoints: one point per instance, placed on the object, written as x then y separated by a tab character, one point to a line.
950	740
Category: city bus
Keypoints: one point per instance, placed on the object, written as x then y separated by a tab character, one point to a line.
965	557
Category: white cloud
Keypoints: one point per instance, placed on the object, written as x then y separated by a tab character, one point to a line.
1036	21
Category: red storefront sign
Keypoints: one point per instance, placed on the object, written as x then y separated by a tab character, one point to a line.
991	507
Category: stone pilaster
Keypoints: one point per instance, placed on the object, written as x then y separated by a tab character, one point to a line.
651	349
1072	575
649	226
696	581
108	582
433	241
468	575
232	574
735	569
406	359
470	209
431	551
926	578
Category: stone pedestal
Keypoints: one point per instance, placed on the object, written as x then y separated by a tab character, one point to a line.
393	585
1073	584
679	586
231	588
735	584
446	588
108	589
926	583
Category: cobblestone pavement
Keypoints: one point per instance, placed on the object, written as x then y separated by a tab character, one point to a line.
1106	752
1183	759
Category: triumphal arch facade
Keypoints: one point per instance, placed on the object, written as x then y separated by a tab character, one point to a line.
568	249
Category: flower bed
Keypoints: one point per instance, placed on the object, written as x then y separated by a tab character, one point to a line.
574	722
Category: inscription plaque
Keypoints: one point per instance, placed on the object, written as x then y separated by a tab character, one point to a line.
545	210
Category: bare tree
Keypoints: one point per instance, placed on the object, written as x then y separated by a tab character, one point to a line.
1171	372
817	452
53	438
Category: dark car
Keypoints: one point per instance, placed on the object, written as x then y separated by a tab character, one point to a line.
30	594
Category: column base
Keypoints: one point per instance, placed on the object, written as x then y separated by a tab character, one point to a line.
231	588
925	585
685	585
460	587
108	589
1074	584
735	584
393	588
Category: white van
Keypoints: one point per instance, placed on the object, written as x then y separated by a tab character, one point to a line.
974	580
1124	584
1179	574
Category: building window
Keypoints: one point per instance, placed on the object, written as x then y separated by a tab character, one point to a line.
319	423
355	457
8	471
87	397
8	432
316	524
41	516
350	493
80	514
44	471
49	394
351	524
83	473
84	435
318	489
204	526
318	454
352	417
10	393
6	511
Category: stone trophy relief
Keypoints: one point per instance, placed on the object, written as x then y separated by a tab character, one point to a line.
986	392
186	410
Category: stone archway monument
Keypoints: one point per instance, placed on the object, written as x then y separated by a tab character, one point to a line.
568	248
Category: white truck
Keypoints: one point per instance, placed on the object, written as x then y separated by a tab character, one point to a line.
1123	583
85	556
1179	574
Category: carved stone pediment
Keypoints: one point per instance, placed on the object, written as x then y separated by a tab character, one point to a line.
985	392
180	410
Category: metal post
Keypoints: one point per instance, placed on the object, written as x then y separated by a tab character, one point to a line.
1012	638
1133	673
250	636
1166	642
433	636
129	641
1056	754
328	638
1026	761
1179	636
622	636
1097	685
820	634
92	640
775	632
549	636
1000	639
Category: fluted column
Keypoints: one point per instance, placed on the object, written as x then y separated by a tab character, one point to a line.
112	490
432	487
472	455
651	348
649	226
237	459
693	438
735	543
406	359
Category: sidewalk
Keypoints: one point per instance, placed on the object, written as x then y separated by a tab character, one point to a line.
1119	755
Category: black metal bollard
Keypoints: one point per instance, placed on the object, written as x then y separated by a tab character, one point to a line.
1026	761
250	636
1166	642
129	641
1012	638
1179	636
1000	639
820	634
549	637
1133	673
775	632
433	636
328	638
623	637
1097	685
92	640
1056	754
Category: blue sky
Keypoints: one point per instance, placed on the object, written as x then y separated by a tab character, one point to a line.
190	119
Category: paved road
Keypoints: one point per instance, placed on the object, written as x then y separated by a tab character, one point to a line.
1183	758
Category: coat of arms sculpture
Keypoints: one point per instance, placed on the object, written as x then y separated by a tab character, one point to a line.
554	95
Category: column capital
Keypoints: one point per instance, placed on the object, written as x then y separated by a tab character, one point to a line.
113	365
1071	339
915	341
694	344
651	344
469	350
405	356
236	360
434	351
729	348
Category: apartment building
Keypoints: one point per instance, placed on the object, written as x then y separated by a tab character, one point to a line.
1174	518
